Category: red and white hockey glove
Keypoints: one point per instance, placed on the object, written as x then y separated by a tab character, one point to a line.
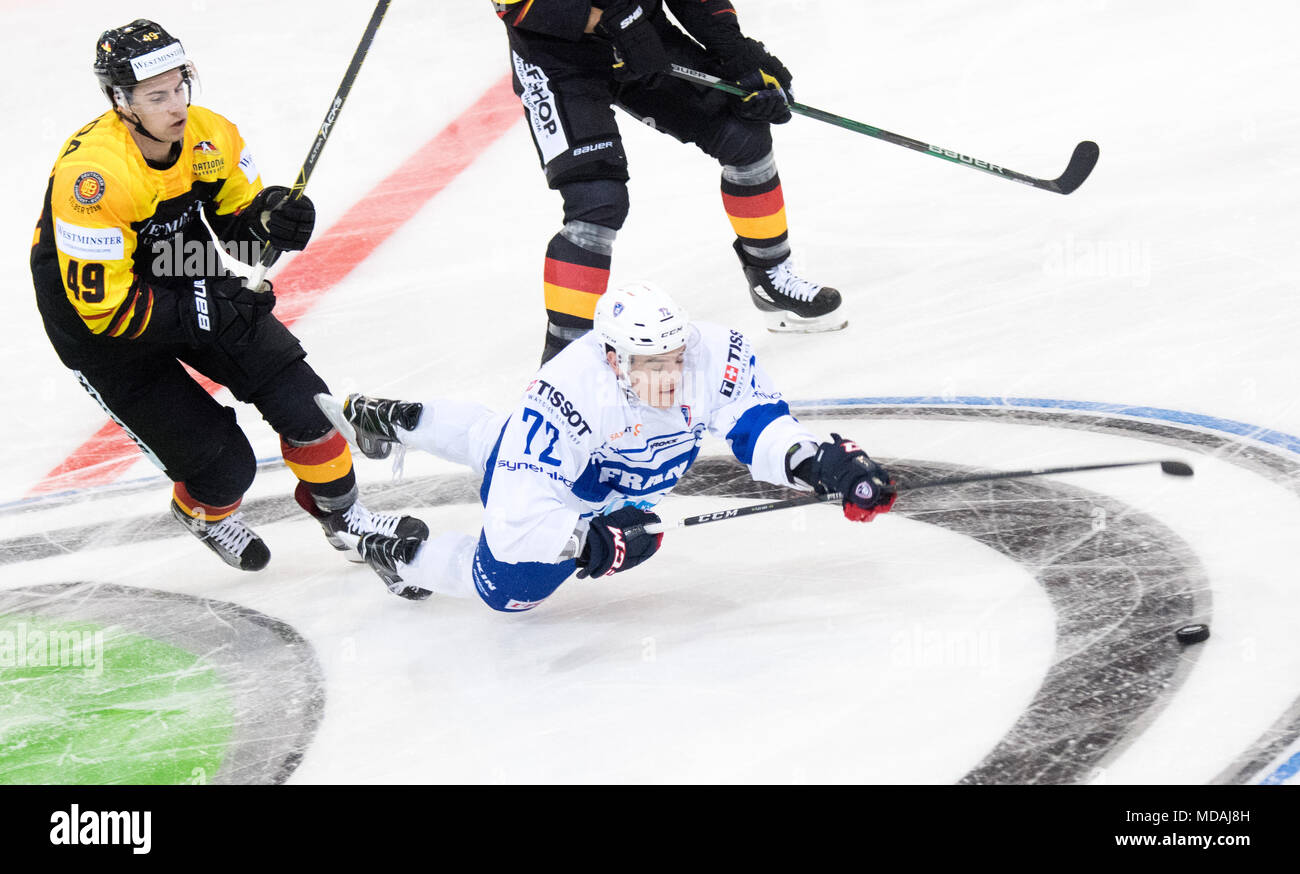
841	466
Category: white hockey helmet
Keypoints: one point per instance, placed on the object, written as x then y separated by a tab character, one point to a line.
639	318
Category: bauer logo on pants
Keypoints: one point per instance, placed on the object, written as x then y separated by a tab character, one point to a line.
543	115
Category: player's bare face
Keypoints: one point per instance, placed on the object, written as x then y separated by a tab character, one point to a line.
656	379
162	104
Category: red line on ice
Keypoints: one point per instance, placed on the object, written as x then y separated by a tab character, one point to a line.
330	257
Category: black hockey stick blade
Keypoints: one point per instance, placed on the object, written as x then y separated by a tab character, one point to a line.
1175	468
1080	166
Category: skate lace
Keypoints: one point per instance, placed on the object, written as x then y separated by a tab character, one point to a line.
362	521
376	417
368	415
399	461
786	281
232	535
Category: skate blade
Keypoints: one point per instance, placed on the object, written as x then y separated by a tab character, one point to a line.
346	544
782	322
332	407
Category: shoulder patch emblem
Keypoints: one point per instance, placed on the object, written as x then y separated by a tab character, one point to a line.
89	188
208	160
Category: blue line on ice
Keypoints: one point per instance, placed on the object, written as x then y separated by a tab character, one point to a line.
1288	442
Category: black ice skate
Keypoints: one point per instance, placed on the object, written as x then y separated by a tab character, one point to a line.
230	538
343	528
384	554
792	304
370	423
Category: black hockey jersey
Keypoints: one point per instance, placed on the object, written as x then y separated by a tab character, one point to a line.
712	22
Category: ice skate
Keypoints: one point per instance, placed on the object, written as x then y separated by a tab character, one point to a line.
345	527
370	423
236	543
791	303
386	555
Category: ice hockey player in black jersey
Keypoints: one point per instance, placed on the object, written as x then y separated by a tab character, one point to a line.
574	61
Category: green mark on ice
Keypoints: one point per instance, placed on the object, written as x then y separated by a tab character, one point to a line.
84	704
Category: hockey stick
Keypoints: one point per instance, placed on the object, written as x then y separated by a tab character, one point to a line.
331	116
1172	468
1081	162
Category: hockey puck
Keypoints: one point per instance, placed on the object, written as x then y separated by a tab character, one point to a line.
1193	633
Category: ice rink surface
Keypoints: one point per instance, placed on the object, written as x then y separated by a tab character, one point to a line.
1007	633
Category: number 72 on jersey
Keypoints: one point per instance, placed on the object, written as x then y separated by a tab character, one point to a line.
545	457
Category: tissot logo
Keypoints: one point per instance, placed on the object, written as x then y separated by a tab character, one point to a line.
731	373
563	406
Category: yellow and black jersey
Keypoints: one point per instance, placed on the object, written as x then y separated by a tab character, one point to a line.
110	244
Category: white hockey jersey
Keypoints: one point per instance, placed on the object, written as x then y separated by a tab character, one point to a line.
580	444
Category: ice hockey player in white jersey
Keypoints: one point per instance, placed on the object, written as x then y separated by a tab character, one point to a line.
604	432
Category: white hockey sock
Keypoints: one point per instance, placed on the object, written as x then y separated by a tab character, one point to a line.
444	566
461	432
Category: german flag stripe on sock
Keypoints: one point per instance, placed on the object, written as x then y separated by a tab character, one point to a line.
197	509
323	461
756	212
572	289
573	279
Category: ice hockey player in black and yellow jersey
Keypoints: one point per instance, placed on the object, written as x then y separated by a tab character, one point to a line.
573	61
130	285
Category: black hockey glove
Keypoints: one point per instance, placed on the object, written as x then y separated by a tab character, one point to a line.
762	75
223	311
618	542
841	466
639	54
283	222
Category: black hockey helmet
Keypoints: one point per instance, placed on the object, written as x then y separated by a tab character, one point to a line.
125	56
